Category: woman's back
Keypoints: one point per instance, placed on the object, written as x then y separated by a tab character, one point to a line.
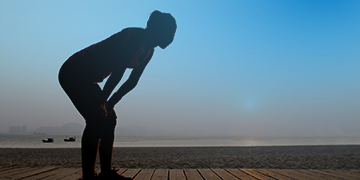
96	62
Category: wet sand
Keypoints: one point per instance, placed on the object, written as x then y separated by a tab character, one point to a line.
275	157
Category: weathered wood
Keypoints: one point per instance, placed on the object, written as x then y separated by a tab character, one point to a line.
240	174
208	174
176	174
12	172
121	170
144	174
160	174
55	173
75	176
344	174
224	174
273	174
192	174
349	172
6	169
44	175
131	173
355	171
33	173
65	172
256	174
294	174
318	175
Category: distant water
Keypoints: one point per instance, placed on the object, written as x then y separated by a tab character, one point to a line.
34	141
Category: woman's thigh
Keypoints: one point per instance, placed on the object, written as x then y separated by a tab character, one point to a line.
87	99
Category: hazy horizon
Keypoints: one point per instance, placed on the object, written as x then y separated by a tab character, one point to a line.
235	68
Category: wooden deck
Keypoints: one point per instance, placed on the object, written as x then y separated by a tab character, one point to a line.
54	173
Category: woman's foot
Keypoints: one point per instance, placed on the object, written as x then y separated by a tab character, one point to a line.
112	175
95	177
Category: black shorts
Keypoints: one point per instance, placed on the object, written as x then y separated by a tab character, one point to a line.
87	99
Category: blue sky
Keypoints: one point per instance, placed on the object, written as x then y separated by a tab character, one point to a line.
242	68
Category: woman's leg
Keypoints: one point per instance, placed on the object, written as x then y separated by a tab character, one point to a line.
86	98
106	149
89	149
107	141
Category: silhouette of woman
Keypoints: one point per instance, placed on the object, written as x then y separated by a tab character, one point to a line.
130	48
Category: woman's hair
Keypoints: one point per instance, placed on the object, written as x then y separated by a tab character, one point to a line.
161	21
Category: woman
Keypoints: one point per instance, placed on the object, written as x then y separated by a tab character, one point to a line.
130	48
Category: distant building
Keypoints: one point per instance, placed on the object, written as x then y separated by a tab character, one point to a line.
14	129
23	129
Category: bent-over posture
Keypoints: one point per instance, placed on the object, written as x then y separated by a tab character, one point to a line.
130	48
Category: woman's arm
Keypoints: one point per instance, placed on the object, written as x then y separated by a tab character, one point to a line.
129	84
112	82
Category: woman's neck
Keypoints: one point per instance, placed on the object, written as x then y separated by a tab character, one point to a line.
150	42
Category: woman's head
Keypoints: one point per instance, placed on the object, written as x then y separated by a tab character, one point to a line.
162	27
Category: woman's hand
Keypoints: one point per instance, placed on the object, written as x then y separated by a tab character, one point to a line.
103	107
107	110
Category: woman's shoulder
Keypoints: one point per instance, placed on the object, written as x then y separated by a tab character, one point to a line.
132	30
132	34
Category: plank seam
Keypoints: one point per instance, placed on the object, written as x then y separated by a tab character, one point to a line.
70	174
282	174
185	174
136	174
215	173
232	174
21	171
265	174
200	174
168	171
152	174
328	174
6	169
38	173
50	175
249	174
124	171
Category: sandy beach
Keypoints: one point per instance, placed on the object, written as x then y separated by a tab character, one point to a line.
275	157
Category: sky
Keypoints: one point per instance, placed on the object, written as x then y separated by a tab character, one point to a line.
235	68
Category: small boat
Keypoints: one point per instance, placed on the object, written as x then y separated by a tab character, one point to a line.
49	140
70	139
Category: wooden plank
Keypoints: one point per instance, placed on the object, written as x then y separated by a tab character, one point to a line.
13	172
318	175
44	175
355	170
131	172
224	174
239	174
208	174
66	172
352	172
327	173
273	174
294	174
75	176
9	168
192	174
144	174
256	174
121	170
34	172
160	174
176	174
343	173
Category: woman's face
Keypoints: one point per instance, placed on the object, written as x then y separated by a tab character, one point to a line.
166	39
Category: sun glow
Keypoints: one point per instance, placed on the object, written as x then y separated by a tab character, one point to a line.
250	143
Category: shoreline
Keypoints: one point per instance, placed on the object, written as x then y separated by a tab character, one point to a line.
266	157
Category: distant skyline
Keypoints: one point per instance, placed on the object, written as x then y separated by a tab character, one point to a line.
235	68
